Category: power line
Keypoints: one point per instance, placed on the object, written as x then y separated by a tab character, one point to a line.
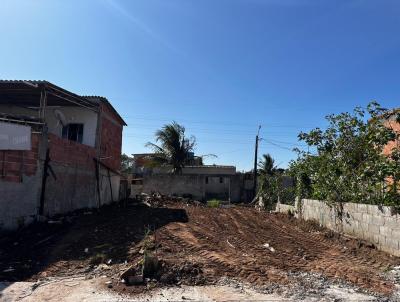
228	123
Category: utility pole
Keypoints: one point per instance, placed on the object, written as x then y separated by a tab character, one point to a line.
255	163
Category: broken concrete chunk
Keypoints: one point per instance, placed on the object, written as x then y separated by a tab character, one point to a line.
135	280
127	273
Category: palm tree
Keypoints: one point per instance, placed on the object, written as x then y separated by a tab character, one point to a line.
174	148
267	165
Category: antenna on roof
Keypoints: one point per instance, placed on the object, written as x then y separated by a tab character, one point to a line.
60	117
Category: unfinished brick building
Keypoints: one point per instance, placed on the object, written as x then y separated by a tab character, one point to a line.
58	151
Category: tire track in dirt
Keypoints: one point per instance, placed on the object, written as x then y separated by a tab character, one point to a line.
229	242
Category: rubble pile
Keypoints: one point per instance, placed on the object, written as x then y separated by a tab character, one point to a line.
158	200
165	273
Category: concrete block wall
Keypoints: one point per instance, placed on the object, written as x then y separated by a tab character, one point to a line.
379	225
285	208
321	212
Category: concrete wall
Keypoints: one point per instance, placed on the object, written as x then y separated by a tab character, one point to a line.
74	188
379	225
19	201
209	170
201	187
20	183
105	191
285	208
217	187
75	185
175	184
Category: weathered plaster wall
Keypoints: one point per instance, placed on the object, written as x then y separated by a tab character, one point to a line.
75	185
217	187
19	202
175	184
20	183
379	225
105	190
195	185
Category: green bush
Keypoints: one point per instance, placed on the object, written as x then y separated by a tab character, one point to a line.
345	162
213	203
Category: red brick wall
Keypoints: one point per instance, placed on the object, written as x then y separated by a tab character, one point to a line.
111	139
388	148
64	151
14	163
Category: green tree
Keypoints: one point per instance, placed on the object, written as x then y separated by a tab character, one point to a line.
266	165
271	183
126	163
173	147
346	162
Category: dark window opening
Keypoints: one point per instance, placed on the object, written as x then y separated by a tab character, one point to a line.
221	180
73	132
206	179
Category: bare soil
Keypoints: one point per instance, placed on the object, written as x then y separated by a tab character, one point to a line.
199	245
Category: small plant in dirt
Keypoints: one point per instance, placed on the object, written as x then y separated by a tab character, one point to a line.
150	260
98	258
213	203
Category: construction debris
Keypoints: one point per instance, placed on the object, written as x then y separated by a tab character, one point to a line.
269	247
159	200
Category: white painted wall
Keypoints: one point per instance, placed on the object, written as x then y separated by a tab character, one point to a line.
74	115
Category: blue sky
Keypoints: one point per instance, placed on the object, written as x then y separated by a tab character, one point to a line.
219	67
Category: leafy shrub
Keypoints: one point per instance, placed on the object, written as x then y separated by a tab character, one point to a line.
346	162
213	203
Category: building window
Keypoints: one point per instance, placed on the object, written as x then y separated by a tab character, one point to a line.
73	132
206	179
221	180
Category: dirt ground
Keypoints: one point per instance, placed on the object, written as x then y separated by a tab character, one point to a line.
200	245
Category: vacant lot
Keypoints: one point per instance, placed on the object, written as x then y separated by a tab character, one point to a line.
241	243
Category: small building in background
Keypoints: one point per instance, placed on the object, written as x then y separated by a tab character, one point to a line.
198	181
59	151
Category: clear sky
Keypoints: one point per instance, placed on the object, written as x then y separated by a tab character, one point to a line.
219	67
